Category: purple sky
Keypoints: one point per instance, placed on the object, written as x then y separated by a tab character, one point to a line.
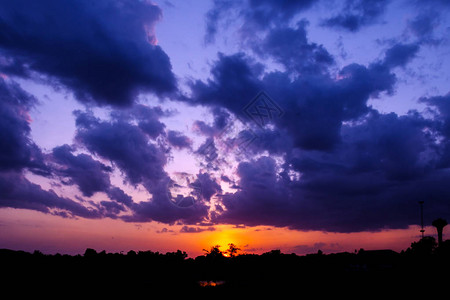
328	115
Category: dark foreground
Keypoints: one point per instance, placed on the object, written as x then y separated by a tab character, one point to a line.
365	274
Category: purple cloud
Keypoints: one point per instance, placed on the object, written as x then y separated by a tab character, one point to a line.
258	15
313	117
17	150
208	185
357	14
142	161
90	175
290	47
161	208
327	161
117	194
221	121
400	54
126	145
178	139
373	179
189	229
18	192
104	52
147	118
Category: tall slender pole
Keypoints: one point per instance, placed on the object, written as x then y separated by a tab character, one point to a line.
421	218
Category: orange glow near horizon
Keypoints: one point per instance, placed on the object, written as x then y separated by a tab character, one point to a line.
30	230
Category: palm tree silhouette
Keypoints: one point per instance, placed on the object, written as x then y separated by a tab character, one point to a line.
439	224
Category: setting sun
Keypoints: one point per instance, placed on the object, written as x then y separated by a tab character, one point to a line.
223	236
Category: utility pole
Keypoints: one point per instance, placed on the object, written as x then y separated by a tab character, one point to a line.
421	218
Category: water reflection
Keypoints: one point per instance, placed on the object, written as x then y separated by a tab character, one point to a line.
206	283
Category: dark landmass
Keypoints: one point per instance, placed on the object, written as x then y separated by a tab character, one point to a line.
423	267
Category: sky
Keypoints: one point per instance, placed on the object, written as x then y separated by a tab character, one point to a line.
296	125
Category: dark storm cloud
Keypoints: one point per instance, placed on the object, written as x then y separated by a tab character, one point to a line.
373	180
147	118
337	164
117	194
424	23
442	104
221	121
217	12
400	54
152	127
88	174
18	192
17	150
111	209
290	47
276	141
262	199
208	185
341	165
19	153
257	14
315	105
160	208
397	146
234	82
178	139
208	150
430	15
441	107
102	50
203	128
125	145
142	161
225	179
265	12
357	13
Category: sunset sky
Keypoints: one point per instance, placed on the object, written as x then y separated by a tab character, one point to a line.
164	125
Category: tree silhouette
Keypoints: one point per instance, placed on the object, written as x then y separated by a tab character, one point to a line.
421	264
90	253
439	223
214	252
425	246
232	249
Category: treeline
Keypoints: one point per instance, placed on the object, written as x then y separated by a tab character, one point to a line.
110	273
